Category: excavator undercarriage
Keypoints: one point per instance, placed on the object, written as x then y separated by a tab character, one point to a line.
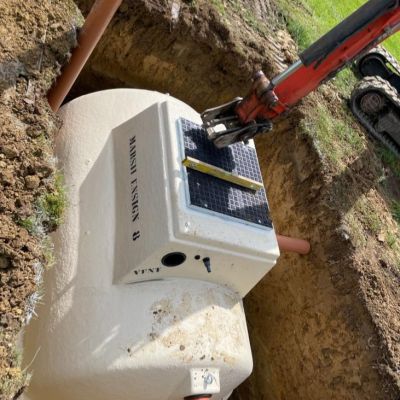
375	100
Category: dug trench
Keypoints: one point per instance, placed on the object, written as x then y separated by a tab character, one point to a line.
321	326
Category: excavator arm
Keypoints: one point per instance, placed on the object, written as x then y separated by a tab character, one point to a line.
242	119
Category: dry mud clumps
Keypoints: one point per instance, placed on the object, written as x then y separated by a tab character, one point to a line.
35	41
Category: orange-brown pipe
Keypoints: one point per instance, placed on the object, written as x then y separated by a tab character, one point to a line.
96	23
293	245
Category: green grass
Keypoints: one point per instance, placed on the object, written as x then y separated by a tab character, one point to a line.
324	16
391	240
219	5
392	45
335	138
308	20
396	211
52	205
390	159
29	224
49	210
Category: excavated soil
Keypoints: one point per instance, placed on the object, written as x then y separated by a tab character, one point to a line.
323	326
35	40
196	56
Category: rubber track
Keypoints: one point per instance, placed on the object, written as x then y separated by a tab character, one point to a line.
377	84
380	51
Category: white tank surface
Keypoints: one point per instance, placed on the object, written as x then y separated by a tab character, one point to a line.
145	301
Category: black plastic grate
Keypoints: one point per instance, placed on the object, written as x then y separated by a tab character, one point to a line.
218	195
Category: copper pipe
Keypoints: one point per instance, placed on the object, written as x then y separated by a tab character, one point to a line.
96	23
293	245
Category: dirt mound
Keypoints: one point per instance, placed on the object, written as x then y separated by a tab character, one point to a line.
35	40
321	326
325	325
195	56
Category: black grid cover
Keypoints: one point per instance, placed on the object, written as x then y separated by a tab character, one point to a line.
216	194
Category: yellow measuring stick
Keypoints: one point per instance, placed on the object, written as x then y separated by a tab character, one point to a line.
220	173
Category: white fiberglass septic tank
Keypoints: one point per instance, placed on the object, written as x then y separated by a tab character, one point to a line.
154	258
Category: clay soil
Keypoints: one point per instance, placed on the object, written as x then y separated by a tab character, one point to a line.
35	40
323	326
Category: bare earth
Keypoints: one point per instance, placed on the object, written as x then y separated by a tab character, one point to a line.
35	40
